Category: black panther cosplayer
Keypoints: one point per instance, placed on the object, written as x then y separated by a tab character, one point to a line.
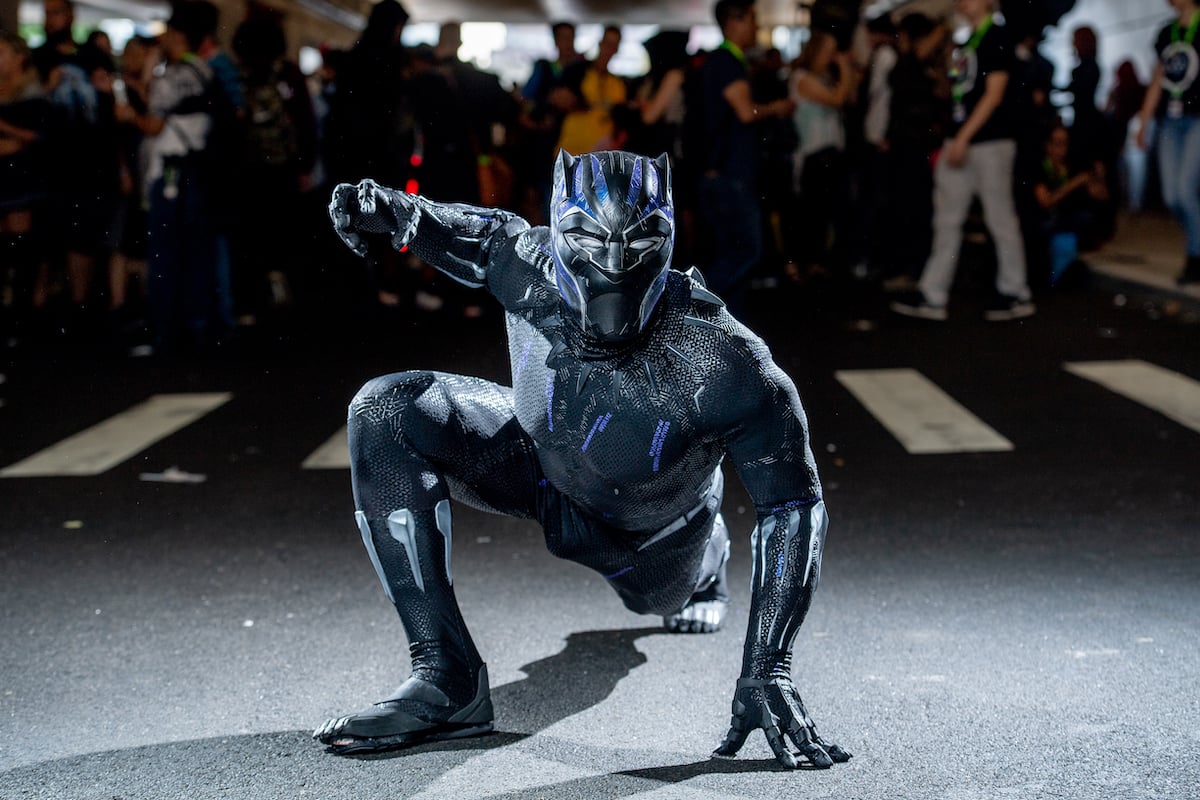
630	384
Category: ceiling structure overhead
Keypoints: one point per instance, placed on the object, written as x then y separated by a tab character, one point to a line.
677	13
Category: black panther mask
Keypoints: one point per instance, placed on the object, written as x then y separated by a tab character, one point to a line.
612	227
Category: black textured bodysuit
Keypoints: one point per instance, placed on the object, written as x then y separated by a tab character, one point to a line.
616	450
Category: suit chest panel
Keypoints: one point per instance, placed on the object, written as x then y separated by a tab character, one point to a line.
610	423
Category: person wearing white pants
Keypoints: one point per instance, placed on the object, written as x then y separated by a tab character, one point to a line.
977	160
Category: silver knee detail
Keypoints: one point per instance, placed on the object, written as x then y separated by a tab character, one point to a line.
400	525
365	530
441	514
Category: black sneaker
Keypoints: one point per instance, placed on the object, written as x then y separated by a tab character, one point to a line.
914	304
417	712
1004	307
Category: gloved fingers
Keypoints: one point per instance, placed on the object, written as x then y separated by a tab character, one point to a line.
779	746
812	752
733	740
803	731
340	215
838	755
368	193
820	753
355	242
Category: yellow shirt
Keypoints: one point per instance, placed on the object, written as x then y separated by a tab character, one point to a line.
592	128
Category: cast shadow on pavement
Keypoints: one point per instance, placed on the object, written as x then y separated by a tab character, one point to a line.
277	765
631	783
577	678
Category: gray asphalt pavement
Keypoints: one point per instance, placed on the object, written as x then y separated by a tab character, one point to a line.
989	625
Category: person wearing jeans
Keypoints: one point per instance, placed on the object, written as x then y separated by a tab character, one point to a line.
1173	99
729	203
977	160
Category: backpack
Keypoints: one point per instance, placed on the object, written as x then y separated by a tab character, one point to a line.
270	133
216	156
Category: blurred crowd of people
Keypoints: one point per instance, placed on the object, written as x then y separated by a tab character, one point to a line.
149	196
172	193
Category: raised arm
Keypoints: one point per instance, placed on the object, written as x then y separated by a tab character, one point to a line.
771	450
452	237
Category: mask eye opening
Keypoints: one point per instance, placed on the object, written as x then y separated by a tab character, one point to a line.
583	239
645	243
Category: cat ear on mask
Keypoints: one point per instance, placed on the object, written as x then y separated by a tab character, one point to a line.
564	166
663	165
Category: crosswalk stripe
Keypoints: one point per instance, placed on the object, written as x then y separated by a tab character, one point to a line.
119	437
334	454
919	414
1169	393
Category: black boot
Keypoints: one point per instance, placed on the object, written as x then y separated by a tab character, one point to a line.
446	696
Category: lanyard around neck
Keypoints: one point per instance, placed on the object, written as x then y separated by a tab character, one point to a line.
972	45
734	51
980	32
1190	36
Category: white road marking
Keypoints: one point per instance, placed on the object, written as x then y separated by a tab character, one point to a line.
334	454
1169	393
919	414
119	437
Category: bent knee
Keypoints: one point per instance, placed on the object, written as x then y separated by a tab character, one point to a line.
386	397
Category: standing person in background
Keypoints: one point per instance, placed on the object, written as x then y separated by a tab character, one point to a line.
977	159
491	113
551	92
728	198
100	175
821	85
776	144
1085	79
58	17
661	103
278	149
1095	146
226	181
870	249
371	126
371	129
590	127
916	122
447	171
181	251
79	165
128	259
1173	100
659	100
1027	100
24	120
1124	102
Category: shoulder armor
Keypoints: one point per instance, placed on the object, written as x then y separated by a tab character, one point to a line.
700	290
